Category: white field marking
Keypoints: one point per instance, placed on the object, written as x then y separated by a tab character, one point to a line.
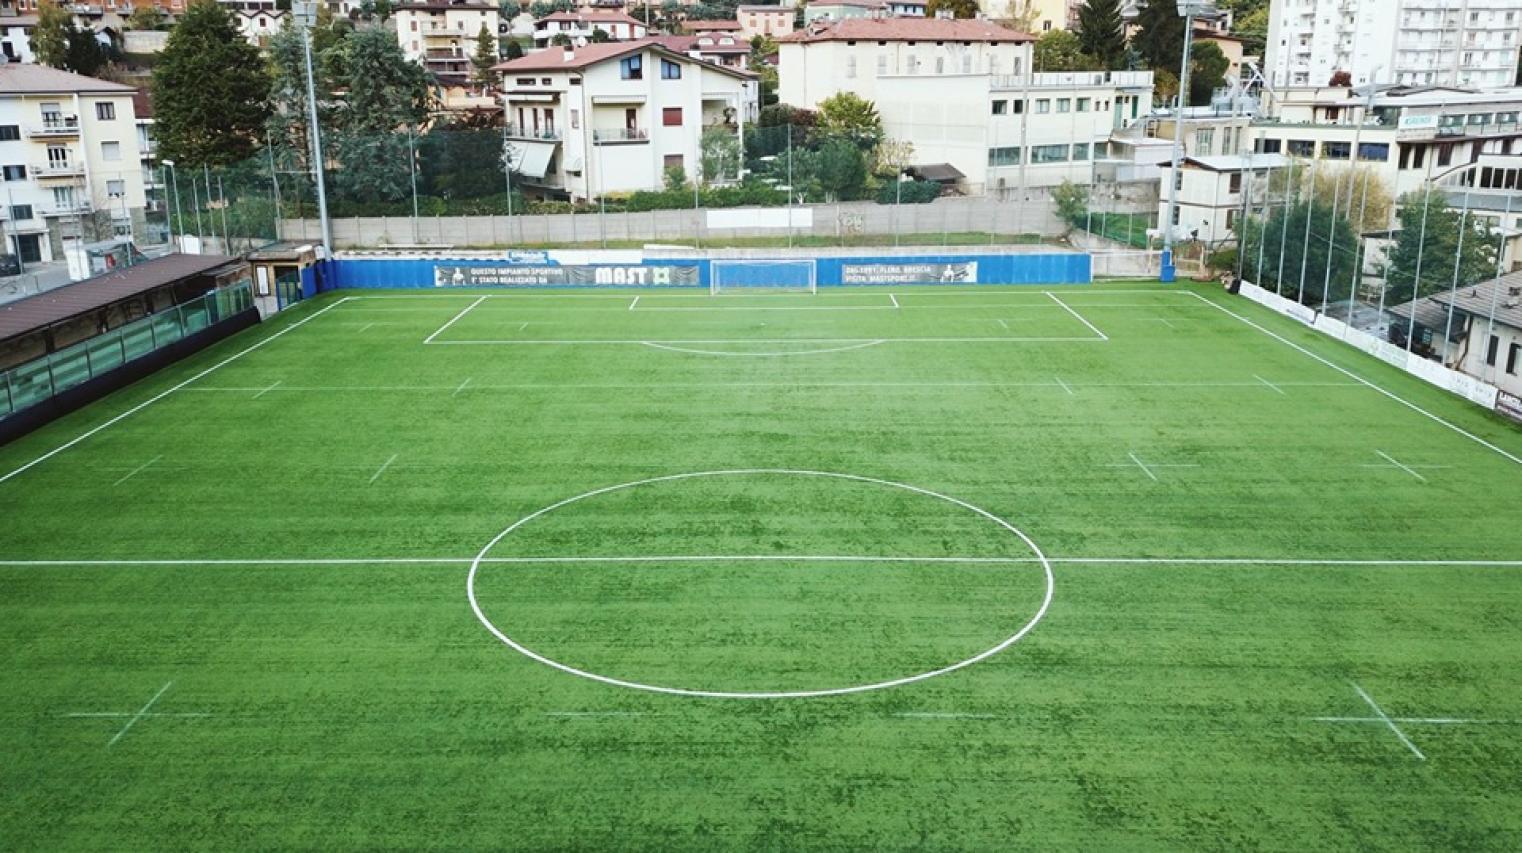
1003	324
1407	468
894	299
611	342
1164	320
771	308
1065	386
779	353
1148	466
522	327
1046	567
161	395
461	388
1081	319
366	327
138	470
268	389
1389	722
1419	721
644	386
841	293
633	302
382	469
465	561
1346	372
601	714
1142	465
455	319
931	715
1268	383
139	715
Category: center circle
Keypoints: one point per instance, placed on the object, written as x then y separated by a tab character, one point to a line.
1038	557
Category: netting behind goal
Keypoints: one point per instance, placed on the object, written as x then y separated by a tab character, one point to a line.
793	275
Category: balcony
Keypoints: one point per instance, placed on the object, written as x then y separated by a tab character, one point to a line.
55	127
59	169
616	135
72	208
543	134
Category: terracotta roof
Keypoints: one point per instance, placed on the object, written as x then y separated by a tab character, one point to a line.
694	26
443	6
906	29
592	16
683	44
142	103
554	59
16	78
863	4
763	8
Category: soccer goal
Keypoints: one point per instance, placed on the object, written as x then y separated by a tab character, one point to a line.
792	275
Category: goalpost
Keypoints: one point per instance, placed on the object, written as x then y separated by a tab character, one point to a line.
793	275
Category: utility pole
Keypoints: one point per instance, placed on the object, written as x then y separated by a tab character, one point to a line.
1188	9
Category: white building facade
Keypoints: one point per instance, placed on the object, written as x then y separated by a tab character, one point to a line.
69	159
614	117
442	35
1411	42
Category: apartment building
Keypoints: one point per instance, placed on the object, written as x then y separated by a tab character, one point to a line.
579	26
613	117
441	35
69	159
16	38
831	11
1410	42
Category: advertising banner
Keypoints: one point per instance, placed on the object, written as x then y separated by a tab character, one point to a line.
603	276
958	273
1509	405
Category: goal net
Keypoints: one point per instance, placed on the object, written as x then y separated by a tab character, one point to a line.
793	275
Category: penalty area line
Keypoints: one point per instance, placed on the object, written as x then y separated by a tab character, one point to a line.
797	558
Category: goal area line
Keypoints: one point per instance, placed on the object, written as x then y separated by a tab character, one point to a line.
1287	562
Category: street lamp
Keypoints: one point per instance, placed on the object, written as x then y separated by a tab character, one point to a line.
174	178
1188	10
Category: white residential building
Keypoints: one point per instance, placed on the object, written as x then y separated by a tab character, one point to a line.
961	93
579	26
70	165
259	25
16	38
613	117
442	35
726	49
1413	42
1211	193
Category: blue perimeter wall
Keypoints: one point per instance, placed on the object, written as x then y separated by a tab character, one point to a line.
1054	268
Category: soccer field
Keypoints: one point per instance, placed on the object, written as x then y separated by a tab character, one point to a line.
1109	567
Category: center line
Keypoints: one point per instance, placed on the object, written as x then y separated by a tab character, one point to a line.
634	303
138	470
383	467
1406	468
1142	466
1064	385
1389	722
1268	383
139	715
461	388
269	389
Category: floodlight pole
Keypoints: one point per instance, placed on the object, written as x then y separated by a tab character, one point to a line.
1187	9
322	190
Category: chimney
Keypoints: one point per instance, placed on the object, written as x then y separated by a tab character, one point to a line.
568	55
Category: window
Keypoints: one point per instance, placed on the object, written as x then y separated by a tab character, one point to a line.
1204	142
1001	108
1445	154
105	111
24	211
1080	151
1009	156
631	68
1378	152
1302	148
1043	106
882	65
110	151
116	189
1235	183
672	161
1064	105
1511	358
1335	150
575	119
14	173
525	81
1083	105
1270	146
966	63
1101	150
850	66
9	132
940	65
670	70
1049	153
671	116
1490	351
1178	181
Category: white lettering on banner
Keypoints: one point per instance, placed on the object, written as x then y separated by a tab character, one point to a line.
604	276
1509	405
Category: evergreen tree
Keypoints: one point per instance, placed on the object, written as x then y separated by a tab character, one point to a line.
1101	33
386	96
957	8
483	60
84	54
1159	35
514	50
1060	50
1287	229
851	116
146	15
50	38
1207	72
288	124
210	90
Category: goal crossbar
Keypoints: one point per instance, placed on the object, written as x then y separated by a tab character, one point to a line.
792	275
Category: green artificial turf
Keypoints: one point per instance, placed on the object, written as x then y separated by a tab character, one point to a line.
337	691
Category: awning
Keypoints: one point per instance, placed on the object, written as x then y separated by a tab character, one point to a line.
940	172
618	99
531	158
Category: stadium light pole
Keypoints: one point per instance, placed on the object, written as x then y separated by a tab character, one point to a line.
1189	9
306	12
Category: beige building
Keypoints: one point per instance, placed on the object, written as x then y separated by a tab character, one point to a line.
442	37
769	21
579	26
70	162
614	117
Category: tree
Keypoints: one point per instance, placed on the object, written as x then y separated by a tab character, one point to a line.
210	90
851	116
1207	72
509	9
1102	33
719	153
1159	38
1361	194
599	36
560	40
1060	50
1342	79
957	8
513	50
891	157
841	172
50	38
287	128
1426	251
1286	230
387	96
1252	29
1072	203
485	57
146	15
84	54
